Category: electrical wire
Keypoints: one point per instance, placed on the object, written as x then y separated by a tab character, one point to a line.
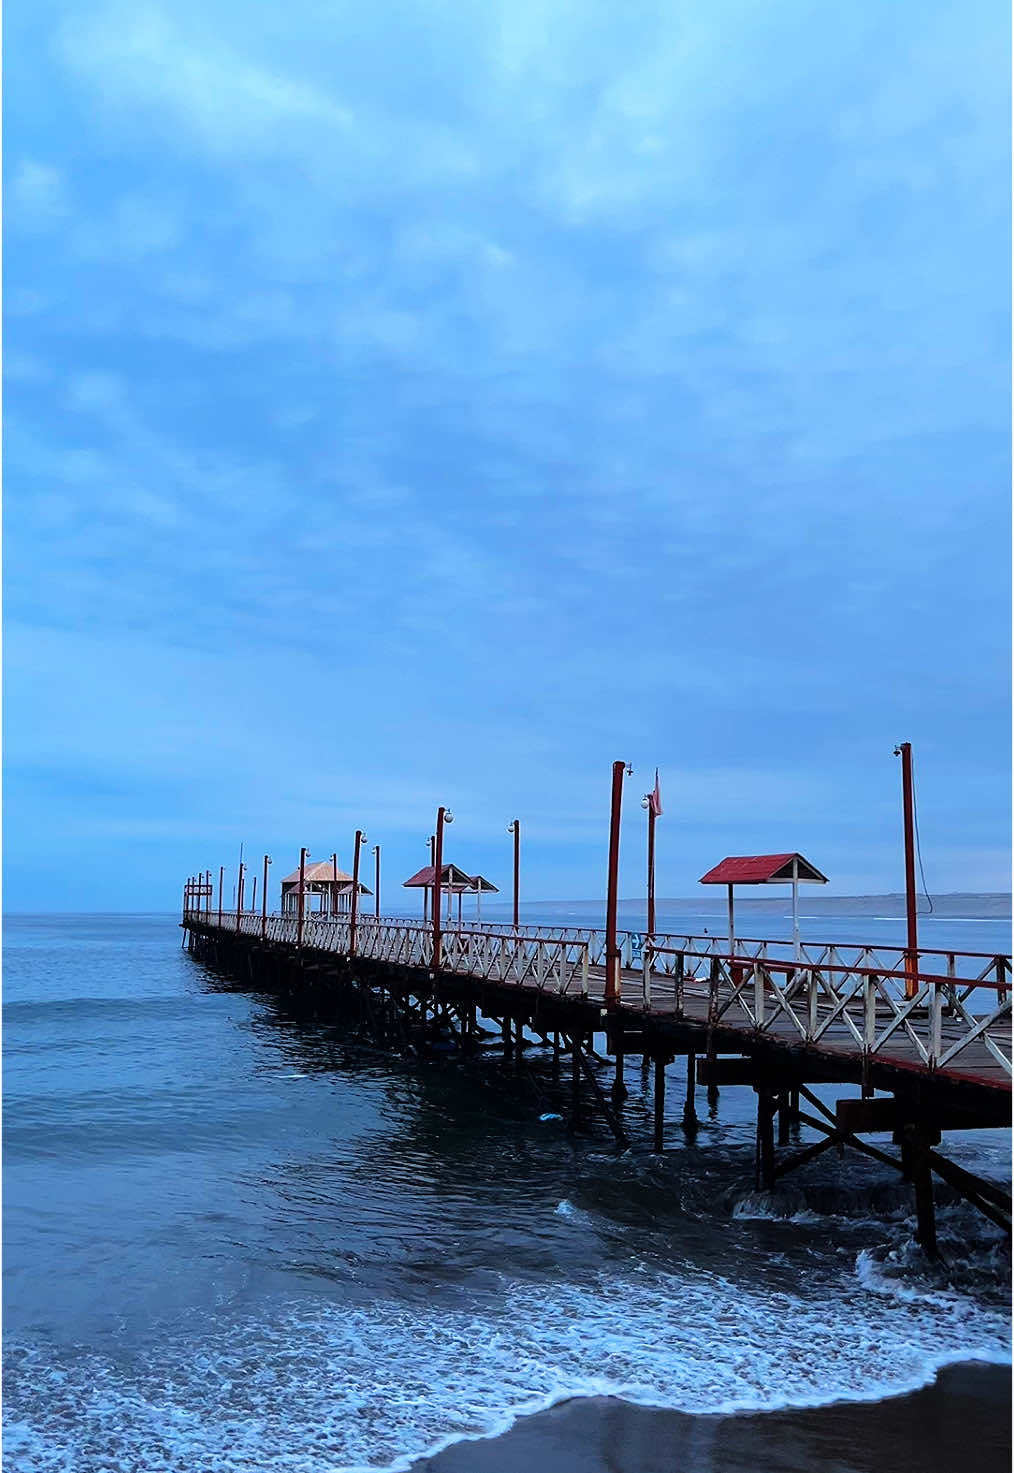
918	846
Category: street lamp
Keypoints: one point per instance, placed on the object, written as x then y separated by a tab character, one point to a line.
376	880
360	841
239	892
444	815
514	827
620	770
264	898
303	854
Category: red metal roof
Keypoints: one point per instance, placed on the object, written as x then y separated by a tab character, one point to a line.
762	869
450	874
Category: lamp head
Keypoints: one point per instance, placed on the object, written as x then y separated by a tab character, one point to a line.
646	801
448	816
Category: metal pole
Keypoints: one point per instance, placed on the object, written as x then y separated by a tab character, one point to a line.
332	904
360	836
612	894
516	826
732	927
651	870
264	900
796	949
253	897
221	881
239	893
376	880
443	816
302	901
912	953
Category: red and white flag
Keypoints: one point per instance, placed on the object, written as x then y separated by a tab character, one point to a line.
655	798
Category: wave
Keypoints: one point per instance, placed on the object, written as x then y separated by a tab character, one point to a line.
378	1386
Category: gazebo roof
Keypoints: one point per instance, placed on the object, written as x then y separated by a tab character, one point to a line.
450	876
479	882
763	869
320	870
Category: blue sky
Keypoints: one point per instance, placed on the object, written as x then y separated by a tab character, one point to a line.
432	402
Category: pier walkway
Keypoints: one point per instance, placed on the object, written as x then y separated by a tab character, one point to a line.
937	1041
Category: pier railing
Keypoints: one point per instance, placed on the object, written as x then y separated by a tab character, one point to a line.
860	1008
550	963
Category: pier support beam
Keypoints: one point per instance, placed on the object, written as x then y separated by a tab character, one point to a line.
619	1089
689	1104
764	1176
659	1141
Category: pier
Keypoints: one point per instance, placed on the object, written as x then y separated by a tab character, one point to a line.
923	1044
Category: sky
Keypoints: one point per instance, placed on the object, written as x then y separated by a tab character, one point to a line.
431	402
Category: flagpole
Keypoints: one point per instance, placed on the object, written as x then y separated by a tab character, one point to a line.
653	803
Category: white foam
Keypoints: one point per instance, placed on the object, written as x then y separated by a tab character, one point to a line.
319	1386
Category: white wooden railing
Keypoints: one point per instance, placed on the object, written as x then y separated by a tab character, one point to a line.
549	963
861	1007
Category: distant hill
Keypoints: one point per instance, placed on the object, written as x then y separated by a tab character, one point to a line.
996	906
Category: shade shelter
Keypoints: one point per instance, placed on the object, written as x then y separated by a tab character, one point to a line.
453	881
765	869
327	890
482	887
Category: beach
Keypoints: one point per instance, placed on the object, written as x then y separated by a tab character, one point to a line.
961	1420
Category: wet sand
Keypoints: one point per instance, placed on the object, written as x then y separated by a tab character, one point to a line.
959	1424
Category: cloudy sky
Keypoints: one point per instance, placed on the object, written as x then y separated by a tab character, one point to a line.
432	402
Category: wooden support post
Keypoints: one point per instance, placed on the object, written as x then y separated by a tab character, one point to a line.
784	1118
764	1178
575	1082
659	1141
556	1053
689	1104
619	1089
712	1055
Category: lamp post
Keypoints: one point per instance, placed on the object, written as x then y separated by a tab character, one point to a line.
444	815
360	841
302	899
647	803
239	893
431	841
514	827
221	882
620	769
376	880
904	751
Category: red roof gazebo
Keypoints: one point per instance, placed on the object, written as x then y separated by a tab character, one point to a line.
765	869
453	881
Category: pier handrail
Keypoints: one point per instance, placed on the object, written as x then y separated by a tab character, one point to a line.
872	1011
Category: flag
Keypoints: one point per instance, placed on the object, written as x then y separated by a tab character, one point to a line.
655	798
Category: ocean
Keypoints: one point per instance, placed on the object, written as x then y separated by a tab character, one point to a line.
235	1239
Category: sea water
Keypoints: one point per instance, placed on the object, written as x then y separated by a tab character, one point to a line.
235	1239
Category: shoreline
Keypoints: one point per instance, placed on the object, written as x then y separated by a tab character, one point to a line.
964	1410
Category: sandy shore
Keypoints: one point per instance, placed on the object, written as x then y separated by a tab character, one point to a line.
960	1423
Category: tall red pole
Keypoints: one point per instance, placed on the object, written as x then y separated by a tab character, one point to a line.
239	892
221	882
207	880
443	816
612	894
651	869
515	829
376	881
264	899
302	885
333	905
360	836
904	749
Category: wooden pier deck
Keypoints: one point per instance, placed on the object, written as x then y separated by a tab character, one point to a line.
934	1060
